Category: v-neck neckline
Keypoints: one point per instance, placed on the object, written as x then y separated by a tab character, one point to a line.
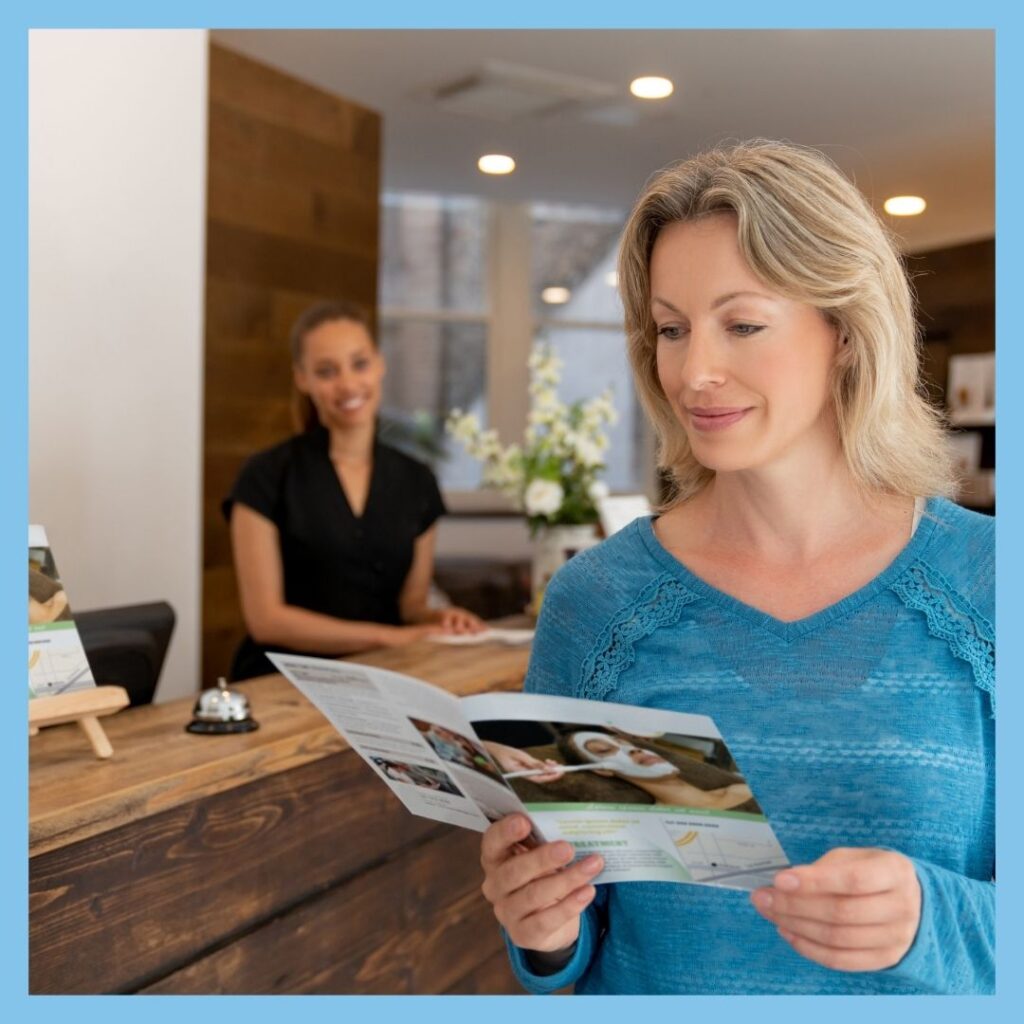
325	443
789	631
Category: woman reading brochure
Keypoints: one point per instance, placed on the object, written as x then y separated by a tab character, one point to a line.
809	584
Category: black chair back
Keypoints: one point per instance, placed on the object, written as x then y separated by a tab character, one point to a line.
126	646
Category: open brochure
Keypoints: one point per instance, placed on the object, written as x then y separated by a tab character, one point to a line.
656	793
56	659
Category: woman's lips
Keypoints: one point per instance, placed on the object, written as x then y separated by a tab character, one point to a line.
716	418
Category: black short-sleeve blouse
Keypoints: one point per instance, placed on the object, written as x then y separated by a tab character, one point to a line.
334	562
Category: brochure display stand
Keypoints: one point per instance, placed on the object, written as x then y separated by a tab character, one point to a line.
60	683
85	707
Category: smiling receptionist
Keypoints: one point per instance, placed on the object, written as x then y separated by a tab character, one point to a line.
807	585
333	531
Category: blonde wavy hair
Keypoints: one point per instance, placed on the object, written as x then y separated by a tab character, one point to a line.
811	236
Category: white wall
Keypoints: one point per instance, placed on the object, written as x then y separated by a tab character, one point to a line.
117	164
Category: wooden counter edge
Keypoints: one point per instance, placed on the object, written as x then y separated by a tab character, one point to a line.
86	818
83	820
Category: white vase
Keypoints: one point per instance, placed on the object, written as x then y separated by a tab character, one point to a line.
552	548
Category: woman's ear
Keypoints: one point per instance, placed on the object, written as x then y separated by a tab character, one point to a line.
842	342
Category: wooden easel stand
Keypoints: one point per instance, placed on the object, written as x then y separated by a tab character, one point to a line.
85	707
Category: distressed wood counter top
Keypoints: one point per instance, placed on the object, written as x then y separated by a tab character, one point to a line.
270	861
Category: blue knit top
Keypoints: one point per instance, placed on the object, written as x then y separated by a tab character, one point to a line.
869	723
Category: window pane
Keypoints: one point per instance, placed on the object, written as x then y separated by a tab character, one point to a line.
432	369
575	248
595	359
433	253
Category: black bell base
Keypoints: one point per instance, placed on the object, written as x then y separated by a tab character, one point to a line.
220	728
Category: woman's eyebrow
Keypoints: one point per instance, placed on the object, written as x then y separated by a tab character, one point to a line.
729	296
720	301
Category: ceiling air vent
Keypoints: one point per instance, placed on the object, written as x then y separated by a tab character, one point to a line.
501	92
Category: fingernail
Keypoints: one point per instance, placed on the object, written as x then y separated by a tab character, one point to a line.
585	895
763	900
787	882
591	864
565	852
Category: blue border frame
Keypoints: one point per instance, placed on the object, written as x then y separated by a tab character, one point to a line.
525	14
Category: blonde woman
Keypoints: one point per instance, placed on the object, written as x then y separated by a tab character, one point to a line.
808	584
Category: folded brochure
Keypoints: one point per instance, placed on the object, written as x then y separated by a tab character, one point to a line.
56	658
656	793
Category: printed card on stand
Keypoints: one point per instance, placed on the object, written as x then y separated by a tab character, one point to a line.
56	658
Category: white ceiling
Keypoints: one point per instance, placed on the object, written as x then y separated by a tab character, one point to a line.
901	111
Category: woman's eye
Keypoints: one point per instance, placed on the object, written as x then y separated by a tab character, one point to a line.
360	364
324	372
746	330
671	332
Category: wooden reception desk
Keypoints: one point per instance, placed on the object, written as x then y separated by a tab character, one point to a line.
272	861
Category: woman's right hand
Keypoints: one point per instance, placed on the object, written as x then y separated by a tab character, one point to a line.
536	898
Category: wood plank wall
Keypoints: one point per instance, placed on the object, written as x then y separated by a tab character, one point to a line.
956	293
292	217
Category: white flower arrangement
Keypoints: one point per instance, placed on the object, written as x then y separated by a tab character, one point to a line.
553	475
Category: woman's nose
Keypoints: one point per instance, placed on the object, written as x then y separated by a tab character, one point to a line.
702	366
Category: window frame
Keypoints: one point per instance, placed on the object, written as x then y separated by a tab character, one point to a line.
510	327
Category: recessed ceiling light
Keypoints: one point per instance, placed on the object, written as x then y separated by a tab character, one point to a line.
611	279
651	88
496	163
905	206
555	296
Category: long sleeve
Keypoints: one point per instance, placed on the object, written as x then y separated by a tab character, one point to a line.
562	640
869	724
955	948
591	928
554	667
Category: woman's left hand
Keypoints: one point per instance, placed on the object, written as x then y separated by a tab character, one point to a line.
458	620
850	910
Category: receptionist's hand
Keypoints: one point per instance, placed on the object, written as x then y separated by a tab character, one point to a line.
399	636
459	620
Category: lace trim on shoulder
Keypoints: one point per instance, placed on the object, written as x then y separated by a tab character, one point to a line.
950	617
659	604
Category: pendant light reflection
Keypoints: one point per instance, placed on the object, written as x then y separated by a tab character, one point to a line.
905	206
496	163
651	87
